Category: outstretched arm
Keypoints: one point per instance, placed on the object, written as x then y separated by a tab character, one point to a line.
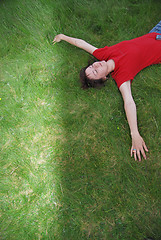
130	108
76	42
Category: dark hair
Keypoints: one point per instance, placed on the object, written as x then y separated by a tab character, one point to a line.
90	83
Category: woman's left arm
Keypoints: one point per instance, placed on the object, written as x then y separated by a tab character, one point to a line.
130	108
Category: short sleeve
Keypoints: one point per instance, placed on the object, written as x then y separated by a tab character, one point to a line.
101	53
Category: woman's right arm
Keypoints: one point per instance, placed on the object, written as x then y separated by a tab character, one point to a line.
76	42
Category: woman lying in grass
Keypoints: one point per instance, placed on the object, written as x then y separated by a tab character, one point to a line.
123	60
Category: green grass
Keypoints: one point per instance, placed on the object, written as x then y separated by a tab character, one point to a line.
65	153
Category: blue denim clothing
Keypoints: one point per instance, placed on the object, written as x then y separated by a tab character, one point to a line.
157	28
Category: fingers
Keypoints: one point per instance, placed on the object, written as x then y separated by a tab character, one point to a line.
137	153
143	153
133	151
57	38
54	41
138	148
135	156
139	156
145	147
142	150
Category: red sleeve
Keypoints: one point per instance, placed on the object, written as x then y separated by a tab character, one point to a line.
101	53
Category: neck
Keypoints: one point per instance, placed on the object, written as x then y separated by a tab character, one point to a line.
110	66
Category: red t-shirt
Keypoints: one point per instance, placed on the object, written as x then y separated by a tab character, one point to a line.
131	56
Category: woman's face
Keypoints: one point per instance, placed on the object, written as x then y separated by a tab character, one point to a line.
97	70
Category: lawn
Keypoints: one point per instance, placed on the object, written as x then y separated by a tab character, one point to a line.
66	168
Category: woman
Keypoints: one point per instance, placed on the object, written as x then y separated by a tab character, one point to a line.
123	60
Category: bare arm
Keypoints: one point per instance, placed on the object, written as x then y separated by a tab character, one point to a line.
76	42
130	109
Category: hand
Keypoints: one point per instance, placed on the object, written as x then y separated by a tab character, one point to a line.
138	147
57	38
